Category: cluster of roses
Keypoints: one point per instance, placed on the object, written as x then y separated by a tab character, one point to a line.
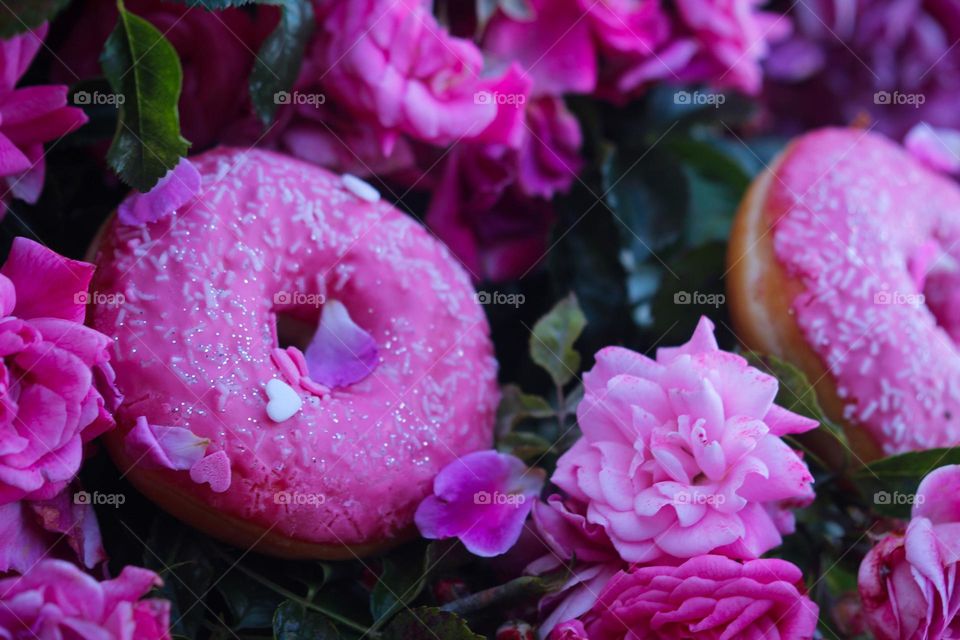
679	483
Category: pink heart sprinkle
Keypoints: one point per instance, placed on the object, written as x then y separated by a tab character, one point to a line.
213	469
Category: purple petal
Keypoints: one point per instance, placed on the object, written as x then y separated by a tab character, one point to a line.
341	353
172	192
167	447
937	148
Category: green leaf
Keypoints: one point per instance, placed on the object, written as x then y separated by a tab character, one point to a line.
404	574
18	16
510	593
551	344
293	622
278	61
251	604
890	484
429	623
143	66
526	445
515	406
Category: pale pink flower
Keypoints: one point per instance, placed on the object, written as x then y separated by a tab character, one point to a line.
908	581
56	600
483	499
705	597
682	455
389	62
29	117
56	381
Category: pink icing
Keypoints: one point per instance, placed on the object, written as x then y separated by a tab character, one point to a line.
875	236
196	342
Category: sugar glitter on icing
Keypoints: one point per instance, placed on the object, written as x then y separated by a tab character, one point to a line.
360	188
432	395
868	230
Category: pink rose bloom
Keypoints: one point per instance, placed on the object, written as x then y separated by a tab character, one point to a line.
908	581
389	62
568	42
56	600
569	537
705	597
483	499
57	383
731	38
682	455
29	117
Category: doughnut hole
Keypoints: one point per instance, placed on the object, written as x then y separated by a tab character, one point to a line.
296	317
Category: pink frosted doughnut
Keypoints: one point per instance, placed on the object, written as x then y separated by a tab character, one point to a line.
339	464
844	260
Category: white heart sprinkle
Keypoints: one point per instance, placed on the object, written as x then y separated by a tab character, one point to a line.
283	400
359	188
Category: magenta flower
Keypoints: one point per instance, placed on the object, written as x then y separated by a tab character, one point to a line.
705	597
29	117
57	600
682	455
483	499
907	582
569	537
57	383
390	63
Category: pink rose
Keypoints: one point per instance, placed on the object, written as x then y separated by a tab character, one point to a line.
705	597
569	537
483	499
390	63
682	455
56	600
569	43
31	117
908	581
57	383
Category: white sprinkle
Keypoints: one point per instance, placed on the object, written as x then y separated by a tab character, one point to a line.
359	188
